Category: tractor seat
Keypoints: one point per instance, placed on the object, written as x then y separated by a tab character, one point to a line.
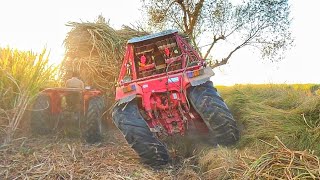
146	67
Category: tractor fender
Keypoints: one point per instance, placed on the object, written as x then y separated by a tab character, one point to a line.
122	97
195	81
126	99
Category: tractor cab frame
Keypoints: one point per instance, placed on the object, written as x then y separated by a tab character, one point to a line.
158	68
164	88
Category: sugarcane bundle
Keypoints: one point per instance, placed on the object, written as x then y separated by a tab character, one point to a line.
95	50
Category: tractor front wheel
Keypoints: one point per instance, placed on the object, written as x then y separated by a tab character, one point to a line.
215	114
138	135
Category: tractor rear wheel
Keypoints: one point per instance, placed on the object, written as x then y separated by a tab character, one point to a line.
40	115
93	130
137	133
215	113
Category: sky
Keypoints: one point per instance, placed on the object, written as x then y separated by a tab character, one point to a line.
35	24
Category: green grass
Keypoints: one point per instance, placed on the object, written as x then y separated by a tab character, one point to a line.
280	134
290	112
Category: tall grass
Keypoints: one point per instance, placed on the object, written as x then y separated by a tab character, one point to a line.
22	74
290	112
280	134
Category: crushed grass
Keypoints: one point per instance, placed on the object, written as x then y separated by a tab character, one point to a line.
276	162
60	157
52	157
283	163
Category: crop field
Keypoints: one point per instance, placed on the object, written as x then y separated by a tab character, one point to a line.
280	134
279	127
142	91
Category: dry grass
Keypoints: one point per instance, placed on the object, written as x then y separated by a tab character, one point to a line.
278	162
56	157
62	158
258	155
283	163
221	163
53	157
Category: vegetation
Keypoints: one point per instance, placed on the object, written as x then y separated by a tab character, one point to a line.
280	134
279	140
290	112
262	25
96	50
22	74
280	124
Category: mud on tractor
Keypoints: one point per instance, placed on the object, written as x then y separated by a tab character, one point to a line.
57	108
164	89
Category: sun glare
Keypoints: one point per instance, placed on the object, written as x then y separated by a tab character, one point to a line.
41	24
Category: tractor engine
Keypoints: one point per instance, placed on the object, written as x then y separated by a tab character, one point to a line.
167	112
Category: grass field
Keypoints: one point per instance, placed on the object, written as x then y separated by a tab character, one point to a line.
279	139
280	134
279	123
290	112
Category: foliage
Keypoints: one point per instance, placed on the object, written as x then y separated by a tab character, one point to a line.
22	74
263	25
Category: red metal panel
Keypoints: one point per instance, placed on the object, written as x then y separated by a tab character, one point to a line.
56	95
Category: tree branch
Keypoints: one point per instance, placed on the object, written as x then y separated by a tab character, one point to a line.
224	60
193	39
236	28
195	15
215	40
176	21
184	10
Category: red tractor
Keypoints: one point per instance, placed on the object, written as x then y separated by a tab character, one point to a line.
59	107
164	88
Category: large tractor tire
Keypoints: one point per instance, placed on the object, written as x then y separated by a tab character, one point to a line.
93	118
137	133
215	113
40	115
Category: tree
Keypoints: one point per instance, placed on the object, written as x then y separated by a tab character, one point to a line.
263	25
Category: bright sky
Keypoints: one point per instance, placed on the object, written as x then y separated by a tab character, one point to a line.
35	24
